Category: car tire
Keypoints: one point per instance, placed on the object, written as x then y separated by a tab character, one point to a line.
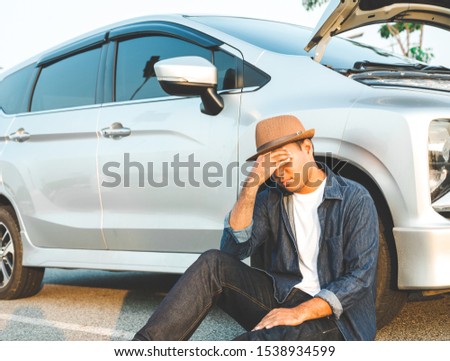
16	281
389	300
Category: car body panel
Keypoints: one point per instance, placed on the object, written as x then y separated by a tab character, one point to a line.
53	177
4	132
295	96
423	255
171	140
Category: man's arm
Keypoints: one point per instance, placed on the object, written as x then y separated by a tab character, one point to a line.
360	240
242	212
241	236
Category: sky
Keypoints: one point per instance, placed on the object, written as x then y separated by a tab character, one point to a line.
28	27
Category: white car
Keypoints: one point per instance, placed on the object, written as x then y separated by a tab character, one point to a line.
125	148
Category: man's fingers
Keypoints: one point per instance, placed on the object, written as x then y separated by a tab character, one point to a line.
266	164
269	321
273	161
278	317
273	155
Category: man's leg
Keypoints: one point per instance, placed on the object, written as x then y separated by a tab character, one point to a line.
245	293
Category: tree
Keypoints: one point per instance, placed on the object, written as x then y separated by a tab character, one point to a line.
415	52
400	32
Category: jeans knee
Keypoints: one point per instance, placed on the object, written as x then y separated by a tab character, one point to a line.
211	256
216	263
216	260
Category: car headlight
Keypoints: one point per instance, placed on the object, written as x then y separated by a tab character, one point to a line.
438	156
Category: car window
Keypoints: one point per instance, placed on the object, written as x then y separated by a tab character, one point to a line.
135	73
67	83
13	90
227	70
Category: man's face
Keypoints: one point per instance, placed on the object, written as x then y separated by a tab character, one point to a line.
294	175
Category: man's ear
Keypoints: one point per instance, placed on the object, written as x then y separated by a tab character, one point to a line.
308	146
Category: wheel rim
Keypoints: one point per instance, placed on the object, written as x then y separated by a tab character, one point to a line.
6	256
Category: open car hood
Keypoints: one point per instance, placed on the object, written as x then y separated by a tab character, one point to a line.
344	15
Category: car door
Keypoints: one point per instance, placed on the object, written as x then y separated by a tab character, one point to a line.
14	95
52	171
168	172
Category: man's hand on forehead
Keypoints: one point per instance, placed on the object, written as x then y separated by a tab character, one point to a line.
274	159
266	164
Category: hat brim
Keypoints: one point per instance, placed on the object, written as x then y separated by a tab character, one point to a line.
304	135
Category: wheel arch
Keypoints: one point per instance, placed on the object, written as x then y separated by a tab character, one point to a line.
356	173
5	202
17	280
350	170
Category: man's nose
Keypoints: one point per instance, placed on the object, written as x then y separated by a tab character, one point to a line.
280	172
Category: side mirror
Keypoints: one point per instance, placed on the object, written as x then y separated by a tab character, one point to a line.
191	76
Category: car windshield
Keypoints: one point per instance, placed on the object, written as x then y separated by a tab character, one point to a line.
290	39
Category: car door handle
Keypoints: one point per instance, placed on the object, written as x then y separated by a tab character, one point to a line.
116	131
19	136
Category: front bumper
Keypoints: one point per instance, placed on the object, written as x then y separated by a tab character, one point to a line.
423	257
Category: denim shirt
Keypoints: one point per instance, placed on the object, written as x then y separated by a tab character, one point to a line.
348	250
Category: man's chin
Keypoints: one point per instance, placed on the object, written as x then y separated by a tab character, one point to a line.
291	187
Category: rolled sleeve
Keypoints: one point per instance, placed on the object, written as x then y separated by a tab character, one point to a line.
241	235
332	300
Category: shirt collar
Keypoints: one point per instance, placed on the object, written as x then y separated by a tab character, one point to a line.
333	184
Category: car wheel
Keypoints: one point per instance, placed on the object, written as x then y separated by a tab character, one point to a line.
389	300
16	281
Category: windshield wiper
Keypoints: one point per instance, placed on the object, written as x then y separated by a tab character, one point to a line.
364	66
435	68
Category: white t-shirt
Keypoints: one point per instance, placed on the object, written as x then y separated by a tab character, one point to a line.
307	231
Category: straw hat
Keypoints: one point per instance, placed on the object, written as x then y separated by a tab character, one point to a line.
273	133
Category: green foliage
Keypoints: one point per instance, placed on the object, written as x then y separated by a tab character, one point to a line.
420	54
385	32
311	4
415	52
389	30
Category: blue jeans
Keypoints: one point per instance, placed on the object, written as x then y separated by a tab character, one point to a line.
246	294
